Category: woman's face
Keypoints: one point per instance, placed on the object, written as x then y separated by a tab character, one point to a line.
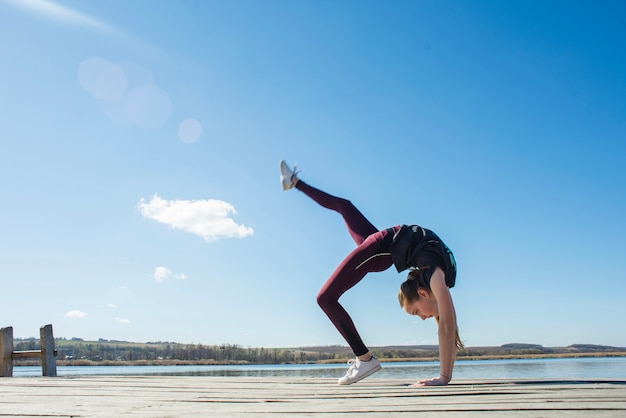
425	306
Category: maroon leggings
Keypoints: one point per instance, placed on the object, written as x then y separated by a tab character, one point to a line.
365	258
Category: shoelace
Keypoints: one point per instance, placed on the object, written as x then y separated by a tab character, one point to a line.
295	171
352	363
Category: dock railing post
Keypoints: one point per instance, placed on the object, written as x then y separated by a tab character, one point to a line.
6	352
48	359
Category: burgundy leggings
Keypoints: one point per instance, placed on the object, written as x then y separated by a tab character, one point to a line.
363	259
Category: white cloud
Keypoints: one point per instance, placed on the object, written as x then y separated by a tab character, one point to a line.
112	305
122	320
161	273
206	218
61	13
75	314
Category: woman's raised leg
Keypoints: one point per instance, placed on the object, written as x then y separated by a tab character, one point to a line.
358	225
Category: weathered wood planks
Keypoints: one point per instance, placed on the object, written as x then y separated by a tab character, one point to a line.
180	396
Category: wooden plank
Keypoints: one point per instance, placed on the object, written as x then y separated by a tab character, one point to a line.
48	359
26	354
6	351
173	396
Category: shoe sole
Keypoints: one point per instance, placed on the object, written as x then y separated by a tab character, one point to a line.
287	184
369	373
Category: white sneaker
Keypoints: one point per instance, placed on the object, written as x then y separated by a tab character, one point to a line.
359	370
288	177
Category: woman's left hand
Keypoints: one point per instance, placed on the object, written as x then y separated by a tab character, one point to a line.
435	381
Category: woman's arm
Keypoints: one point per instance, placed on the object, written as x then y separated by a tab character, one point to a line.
447	329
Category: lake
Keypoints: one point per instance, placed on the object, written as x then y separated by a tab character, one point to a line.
567	368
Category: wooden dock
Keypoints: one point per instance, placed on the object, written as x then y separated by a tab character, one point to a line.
199	396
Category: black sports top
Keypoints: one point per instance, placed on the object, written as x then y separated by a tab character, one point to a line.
415	247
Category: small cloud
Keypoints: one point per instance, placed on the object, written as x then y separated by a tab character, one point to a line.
62	14
122	320
207	218
161	273
111	305
75	314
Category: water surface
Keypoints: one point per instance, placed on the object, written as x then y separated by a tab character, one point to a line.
569	368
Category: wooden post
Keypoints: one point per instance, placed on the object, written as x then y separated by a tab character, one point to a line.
48	359
6	352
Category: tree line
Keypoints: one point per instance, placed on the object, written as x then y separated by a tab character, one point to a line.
106	352
79	351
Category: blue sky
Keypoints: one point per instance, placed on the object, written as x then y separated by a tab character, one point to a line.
141	140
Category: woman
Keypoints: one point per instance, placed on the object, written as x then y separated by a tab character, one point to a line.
425	292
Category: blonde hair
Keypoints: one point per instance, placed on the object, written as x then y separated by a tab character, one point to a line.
408	294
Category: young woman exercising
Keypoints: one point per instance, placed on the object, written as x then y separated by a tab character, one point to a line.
425	293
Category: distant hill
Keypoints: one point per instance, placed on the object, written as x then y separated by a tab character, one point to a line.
505	350
496	349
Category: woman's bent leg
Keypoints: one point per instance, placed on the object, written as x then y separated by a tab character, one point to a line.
353	268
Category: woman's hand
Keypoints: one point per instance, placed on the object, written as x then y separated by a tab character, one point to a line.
435	381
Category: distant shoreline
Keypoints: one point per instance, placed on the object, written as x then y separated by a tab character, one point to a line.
77	352
520	356
163	362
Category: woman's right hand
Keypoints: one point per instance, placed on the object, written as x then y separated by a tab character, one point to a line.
435	381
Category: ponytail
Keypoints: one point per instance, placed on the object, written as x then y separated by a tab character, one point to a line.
457	340
408	289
